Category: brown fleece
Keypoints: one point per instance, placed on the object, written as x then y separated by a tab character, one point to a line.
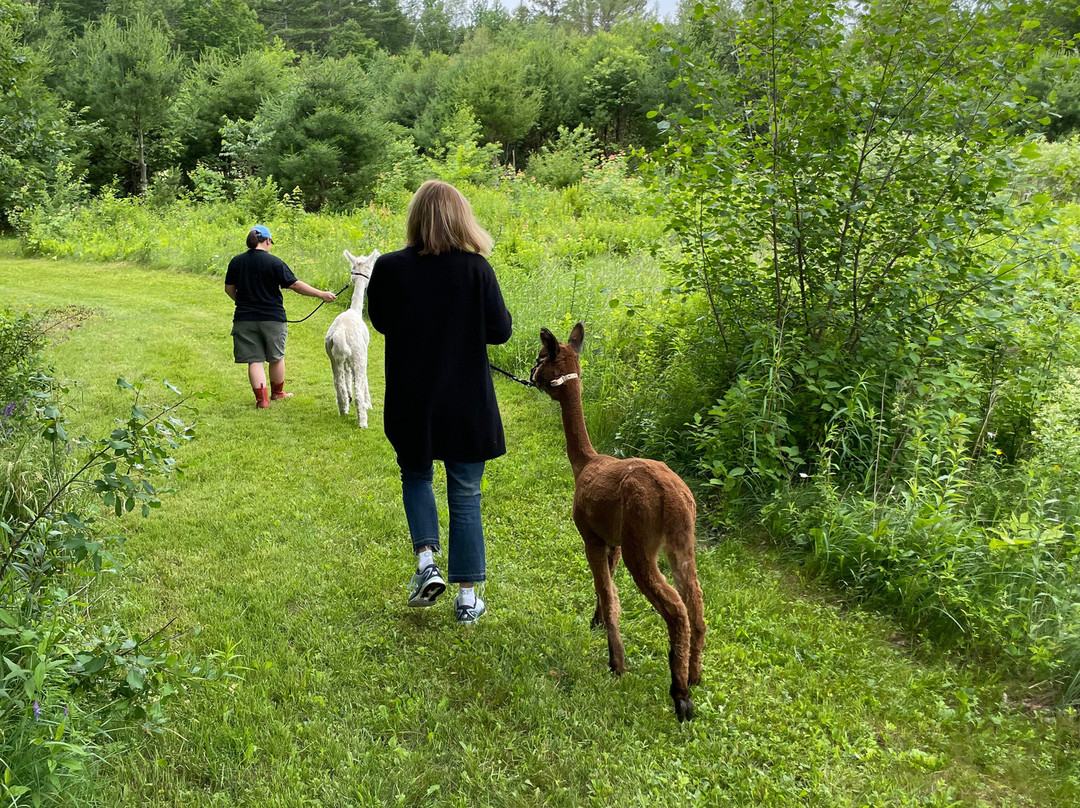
634	507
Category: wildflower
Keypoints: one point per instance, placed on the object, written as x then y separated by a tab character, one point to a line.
66	713
37	711
9	410
804	475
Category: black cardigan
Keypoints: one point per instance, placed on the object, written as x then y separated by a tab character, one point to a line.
438	314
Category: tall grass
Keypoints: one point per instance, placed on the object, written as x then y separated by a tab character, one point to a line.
976	555
965	549
561	256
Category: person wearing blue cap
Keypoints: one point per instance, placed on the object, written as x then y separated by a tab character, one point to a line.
254	280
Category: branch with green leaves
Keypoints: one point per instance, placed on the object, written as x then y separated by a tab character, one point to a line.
123	464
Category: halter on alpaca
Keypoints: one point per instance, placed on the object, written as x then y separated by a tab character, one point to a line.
559	382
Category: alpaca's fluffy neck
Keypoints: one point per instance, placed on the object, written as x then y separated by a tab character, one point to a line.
357	303
579	448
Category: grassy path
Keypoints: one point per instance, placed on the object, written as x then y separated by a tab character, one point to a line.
287	541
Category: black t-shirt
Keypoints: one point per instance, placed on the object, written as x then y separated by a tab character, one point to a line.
259	278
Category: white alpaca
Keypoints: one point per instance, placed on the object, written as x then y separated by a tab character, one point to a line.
347	343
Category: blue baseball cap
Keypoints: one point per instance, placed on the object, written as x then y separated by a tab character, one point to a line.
263	231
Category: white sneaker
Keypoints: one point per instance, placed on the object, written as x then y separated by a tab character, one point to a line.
426	585
469	614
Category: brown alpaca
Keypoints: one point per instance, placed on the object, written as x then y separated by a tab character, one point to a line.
633	507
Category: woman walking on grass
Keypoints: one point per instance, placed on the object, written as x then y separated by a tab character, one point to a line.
254	281
439	306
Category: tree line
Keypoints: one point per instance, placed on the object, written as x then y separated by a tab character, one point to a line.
325	96
321	96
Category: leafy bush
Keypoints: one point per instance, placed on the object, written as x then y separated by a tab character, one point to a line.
21	366
799	251
51	209
261	199
209	185
405	174
460	157
610	182
886	313
1055	170
71	678
563	162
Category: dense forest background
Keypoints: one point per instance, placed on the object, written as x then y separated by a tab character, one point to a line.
326	96
322	96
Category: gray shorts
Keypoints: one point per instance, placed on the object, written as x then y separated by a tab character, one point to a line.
258	341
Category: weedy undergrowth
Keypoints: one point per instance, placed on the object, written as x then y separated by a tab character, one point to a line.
72	677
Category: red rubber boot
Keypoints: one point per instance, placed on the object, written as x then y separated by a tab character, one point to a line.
262	397
278	391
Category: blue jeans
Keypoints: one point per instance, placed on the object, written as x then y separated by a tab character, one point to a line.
466	563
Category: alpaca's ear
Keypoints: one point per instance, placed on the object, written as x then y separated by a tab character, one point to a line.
374	254
577	338
349	256
550	343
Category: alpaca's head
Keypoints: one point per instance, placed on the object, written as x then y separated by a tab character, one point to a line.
360	266
558	362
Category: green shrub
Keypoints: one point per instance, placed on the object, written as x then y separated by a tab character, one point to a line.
21	376
209	185
72	677
563	162
50	211
165	187
460	157
1055	170
405	174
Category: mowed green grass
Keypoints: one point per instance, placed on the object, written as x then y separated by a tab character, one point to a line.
286	543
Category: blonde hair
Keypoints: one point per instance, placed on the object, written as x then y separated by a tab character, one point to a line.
440	219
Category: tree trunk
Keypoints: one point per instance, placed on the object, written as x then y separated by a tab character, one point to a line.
144	184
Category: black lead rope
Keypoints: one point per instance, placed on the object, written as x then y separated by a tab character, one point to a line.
338	292
512	376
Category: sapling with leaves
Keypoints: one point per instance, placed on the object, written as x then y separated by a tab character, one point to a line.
67	680
121	468
854	214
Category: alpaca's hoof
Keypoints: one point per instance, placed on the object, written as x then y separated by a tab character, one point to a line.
684	710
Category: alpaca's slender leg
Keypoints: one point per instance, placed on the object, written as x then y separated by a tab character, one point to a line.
355	375
362	380
684	571
665	599
606	597
613	556
340	387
